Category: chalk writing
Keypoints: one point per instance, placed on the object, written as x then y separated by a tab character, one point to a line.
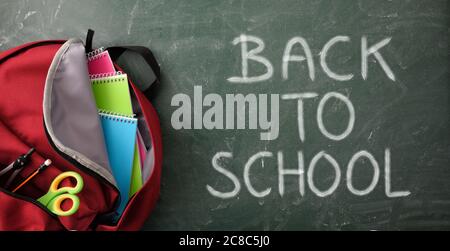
238	111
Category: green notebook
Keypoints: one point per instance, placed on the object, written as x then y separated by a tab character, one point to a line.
112	95
136	175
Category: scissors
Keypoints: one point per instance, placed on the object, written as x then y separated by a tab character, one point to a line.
56	195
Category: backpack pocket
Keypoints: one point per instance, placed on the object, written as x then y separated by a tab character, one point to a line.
21	210
13	209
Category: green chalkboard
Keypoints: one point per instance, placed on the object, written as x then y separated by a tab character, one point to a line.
400	105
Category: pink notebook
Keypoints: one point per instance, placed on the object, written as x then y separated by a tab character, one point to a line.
100	62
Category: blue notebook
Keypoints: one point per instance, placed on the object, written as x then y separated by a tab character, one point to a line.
120	137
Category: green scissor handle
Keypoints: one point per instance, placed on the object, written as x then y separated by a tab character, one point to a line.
55	196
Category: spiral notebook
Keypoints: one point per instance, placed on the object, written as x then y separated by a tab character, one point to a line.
112	95
120	139
99	62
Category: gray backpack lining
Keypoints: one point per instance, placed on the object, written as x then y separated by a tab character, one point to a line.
70	113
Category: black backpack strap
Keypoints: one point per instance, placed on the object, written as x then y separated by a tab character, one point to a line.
89	37
117	51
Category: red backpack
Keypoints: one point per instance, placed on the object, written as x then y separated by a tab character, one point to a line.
47	104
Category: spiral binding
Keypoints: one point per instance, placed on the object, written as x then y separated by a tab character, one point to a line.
118	118
103	111
95	54
118	78
104	75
